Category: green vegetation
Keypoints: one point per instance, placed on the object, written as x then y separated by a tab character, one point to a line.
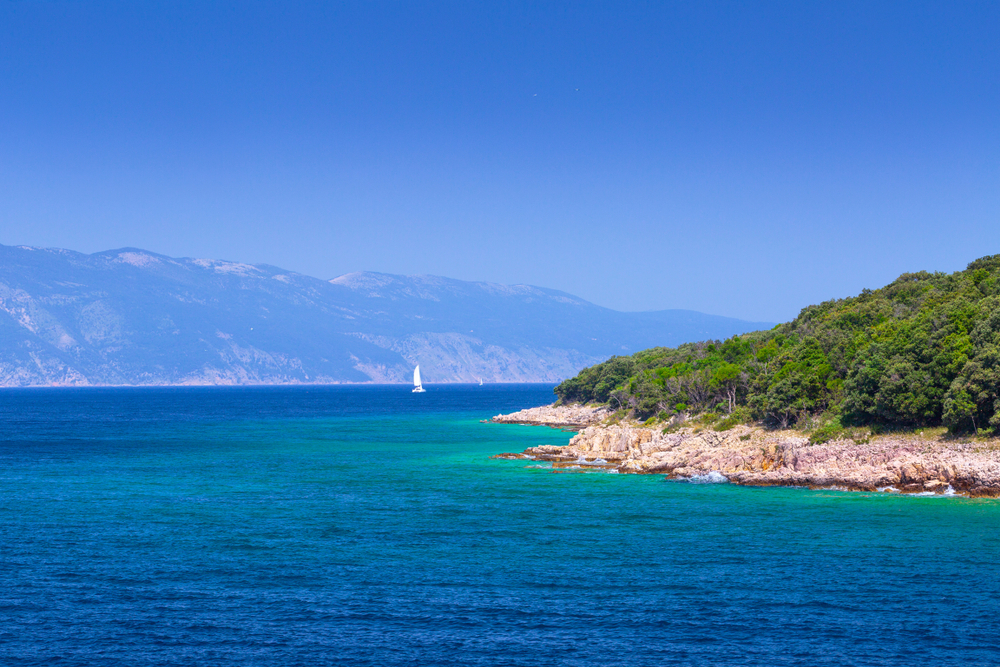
924	350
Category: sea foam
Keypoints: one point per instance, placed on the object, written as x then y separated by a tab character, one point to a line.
714	477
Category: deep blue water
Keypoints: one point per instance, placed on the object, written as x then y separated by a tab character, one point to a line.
368	526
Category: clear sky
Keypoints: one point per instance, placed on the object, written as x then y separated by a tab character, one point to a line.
737	158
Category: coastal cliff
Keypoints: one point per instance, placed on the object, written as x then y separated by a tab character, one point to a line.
754	456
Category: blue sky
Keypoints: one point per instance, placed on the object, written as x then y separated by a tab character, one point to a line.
742	159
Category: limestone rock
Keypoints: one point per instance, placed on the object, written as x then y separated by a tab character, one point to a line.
562	416
755	456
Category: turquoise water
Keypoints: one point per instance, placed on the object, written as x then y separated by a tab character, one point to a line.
368	526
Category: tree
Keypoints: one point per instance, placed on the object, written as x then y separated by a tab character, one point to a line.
959	409
725	380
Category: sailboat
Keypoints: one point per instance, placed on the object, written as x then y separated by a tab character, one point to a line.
480	382
417	387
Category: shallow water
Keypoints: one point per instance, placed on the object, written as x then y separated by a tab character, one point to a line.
368	526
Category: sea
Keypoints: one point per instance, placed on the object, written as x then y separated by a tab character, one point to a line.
367	525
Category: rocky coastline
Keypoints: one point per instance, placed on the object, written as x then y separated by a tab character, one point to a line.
568	417
755	456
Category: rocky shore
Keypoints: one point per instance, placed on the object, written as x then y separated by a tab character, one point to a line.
756	456
570	417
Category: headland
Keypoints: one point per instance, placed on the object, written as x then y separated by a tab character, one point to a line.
755	456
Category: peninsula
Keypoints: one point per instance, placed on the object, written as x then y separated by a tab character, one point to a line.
895	389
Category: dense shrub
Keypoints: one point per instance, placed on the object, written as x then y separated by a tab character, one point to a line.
924	350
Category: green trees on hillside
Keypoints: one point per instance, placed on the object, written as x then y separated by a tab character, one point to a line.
924	350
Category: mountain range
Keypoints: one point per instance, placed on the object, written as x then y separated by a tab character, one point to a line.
133	317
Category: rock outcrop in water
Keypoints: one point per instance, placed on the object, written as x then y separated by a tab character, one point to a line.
755	456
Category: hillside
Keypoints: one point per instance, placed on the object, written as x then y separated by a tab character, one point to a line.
132	317
924	350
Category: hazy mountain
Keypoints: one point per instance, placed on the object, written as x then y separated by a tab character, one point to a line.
134	317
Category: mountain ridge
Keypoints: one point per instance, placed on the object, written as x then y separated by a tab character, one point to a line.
133	317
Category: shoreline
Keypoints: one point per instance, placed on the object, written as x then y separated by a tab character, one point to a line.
566	417
754	456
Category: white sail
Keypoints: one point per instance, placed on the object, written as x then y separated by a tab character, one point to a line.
417	387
